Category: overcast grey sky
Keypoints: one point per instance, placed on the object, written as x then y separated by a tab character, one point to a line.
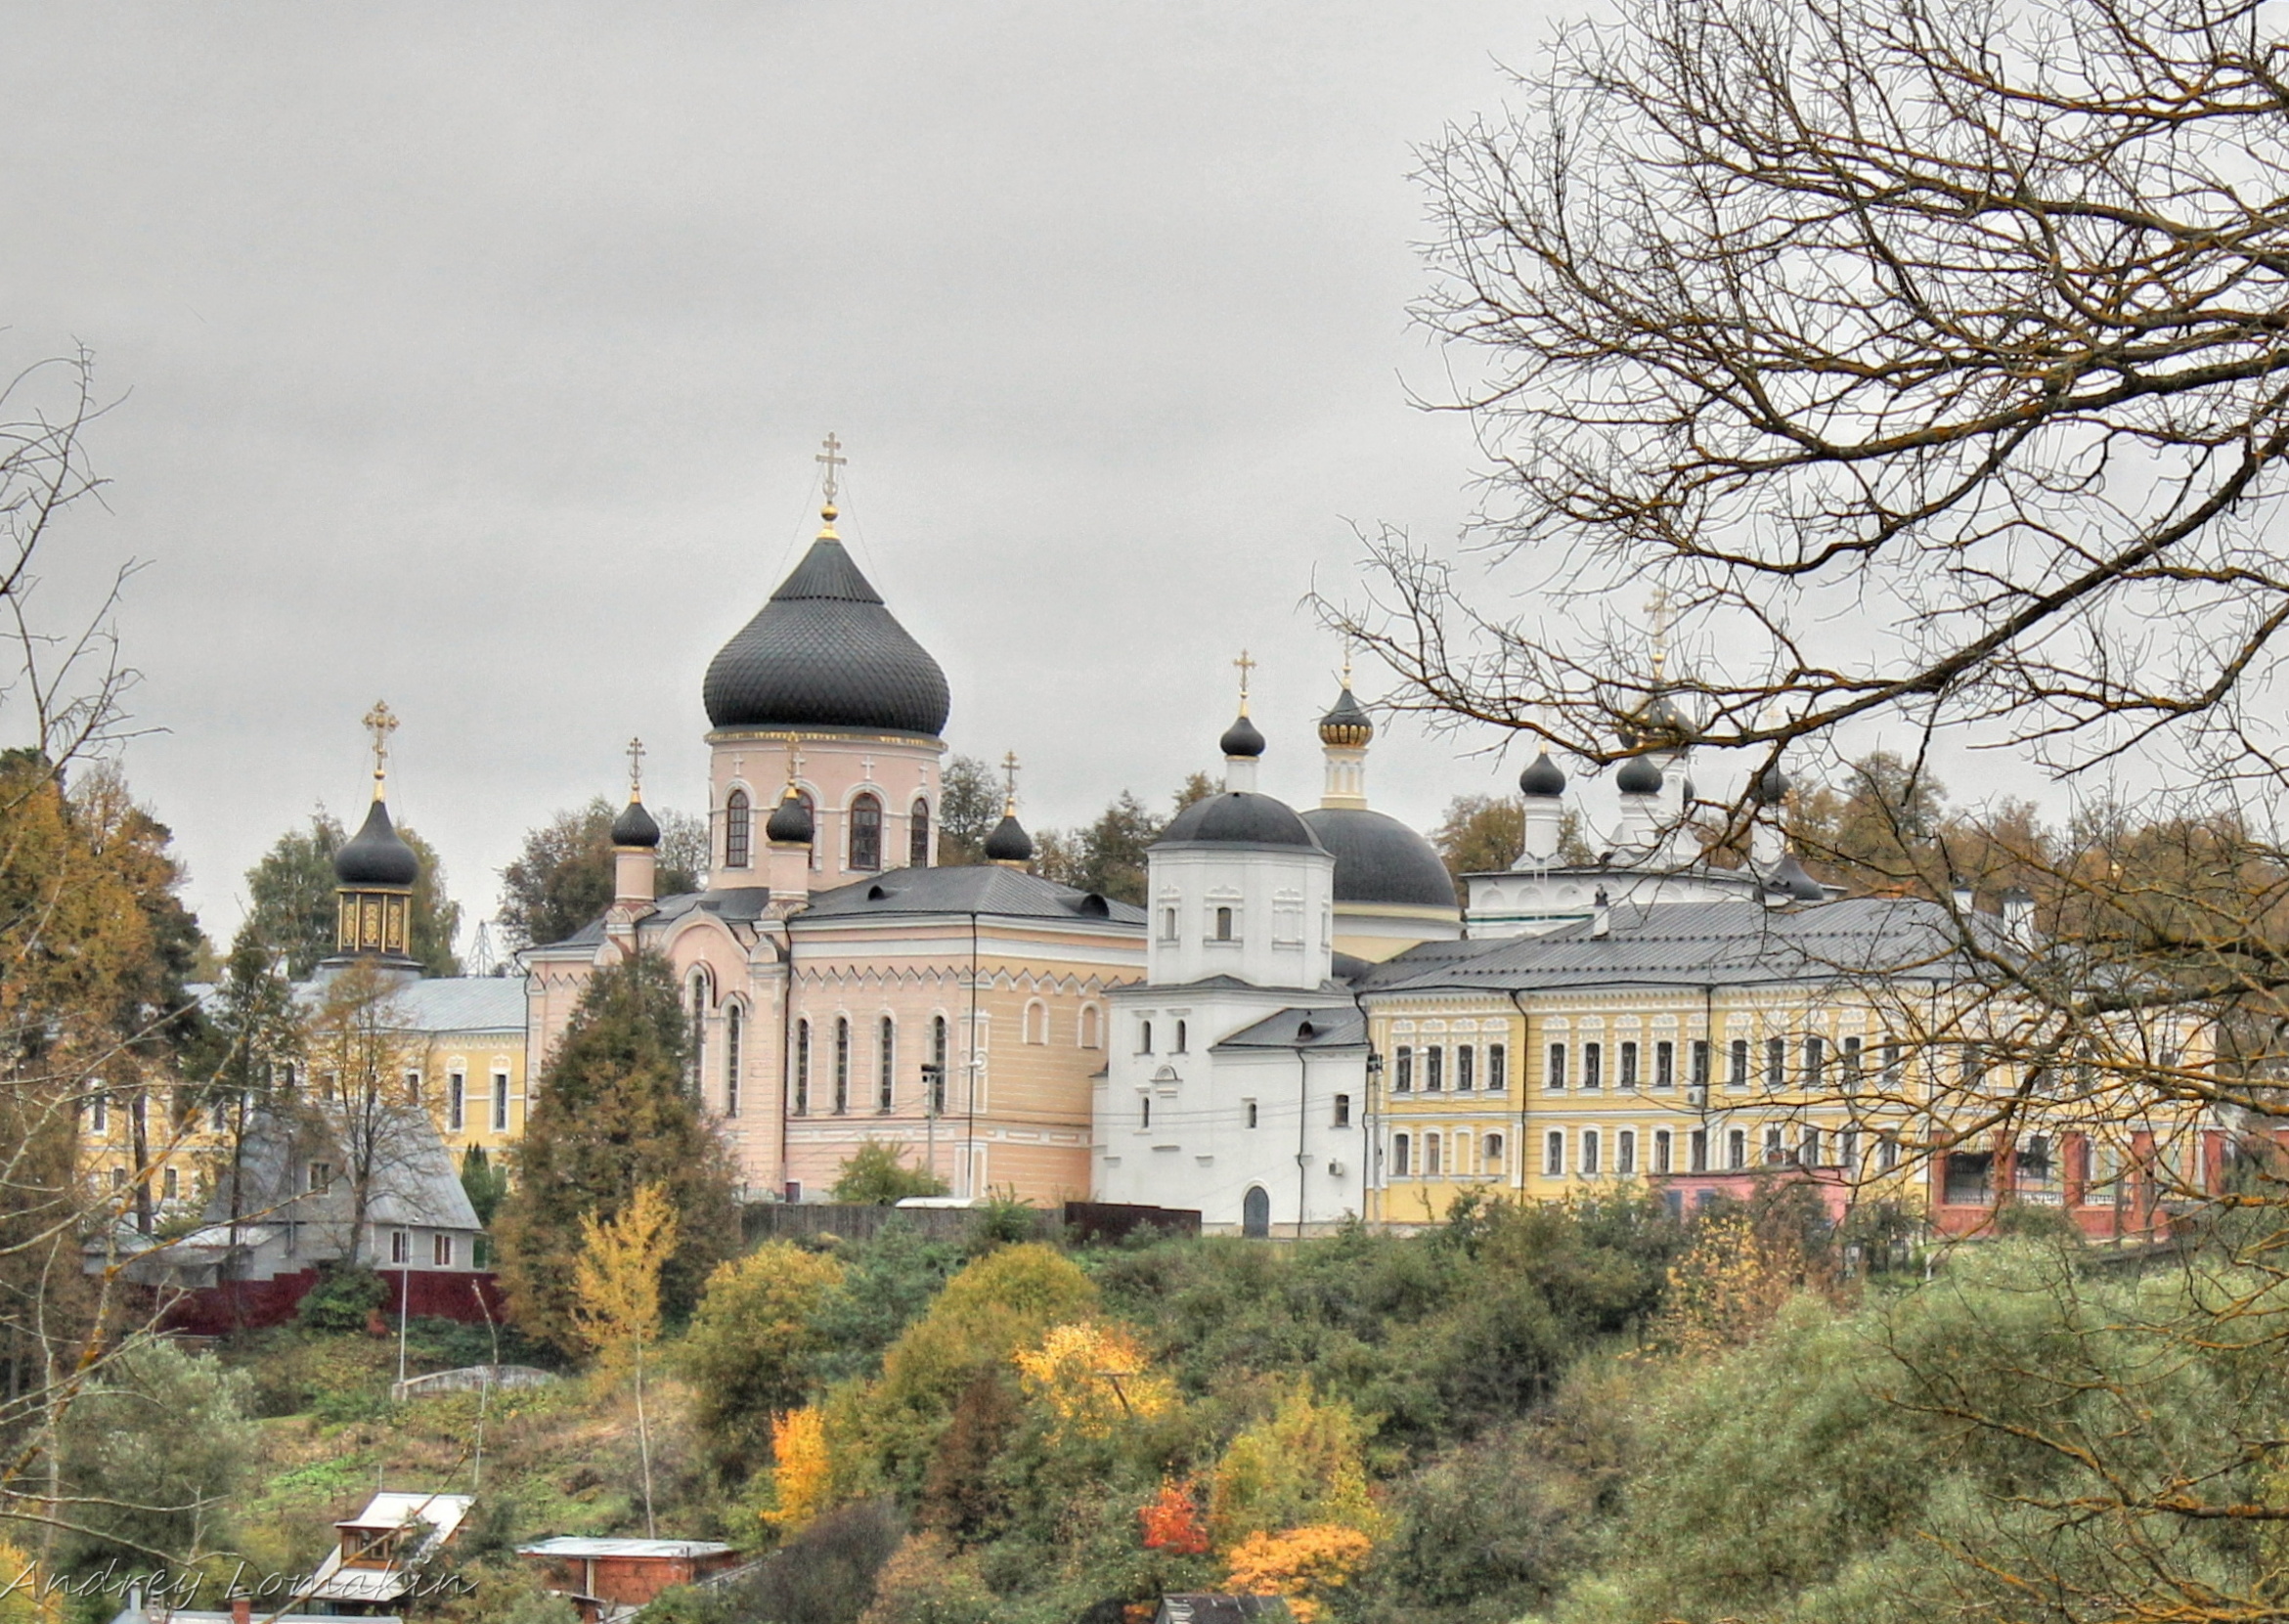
476	356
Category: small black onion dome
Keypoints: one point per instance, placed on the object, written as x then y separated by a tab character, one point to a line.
634	828
1660	721
1347	727
1543	779
1639	776
1770	787
1238	817
376	855
789	823
826	653
1789	879
1241	739
1380	859
1010	842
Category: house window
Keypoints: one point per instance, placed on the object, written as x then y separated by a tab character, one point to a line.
842	1066
918	836
171	1184
456	1090
2034	1170
1465	1062
734	1053
1497	1067
865	834
1249	1105
98	1113
1554	1067
1554	1154
1775	1064
219	1115
1628	1066
1434	1069
1181	1035
1888	1057
413	1087
441	1251
1848	1061
697	1073
938	1066
1776	1153
1430	1150
1967	1179
500	1102
1736	1150
802	1080
1144	1037
118	1177
886	1075
1399	1148
1224	924
400	1248
1490	1154
1590	1150
1696	1150
1167	924
1816	1056
1091	1026
1343	1110
1700	1064
1661	1150
1144	1116
1404	1071
1036	1028
1809	1155
1664	1065
738	829
1625	1152
1887	1155
1736	1062
1593	1065
1848	1151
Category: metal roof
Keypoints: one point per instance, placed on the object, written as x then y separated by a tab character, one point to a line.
464	1003
982	888
573	1545
1340	1026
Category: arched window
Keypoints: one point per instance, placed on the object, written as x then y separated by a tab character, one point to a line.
1256	1213
738	829
1430	1167
1037	1022
1399	1147
938	1066
867	834
1490	1148
885	1080
734	1033
1144	1037
918	836
801	1082
1181	1035
842	1066
1091	1027
697	1060
1224	924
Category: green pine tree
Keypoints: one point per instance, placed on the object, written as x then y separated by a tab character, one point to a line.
614	1113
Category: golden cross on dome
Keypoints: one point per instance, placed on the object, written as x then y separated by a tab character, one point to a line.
1658	606
794	767
380	724
1346	664
1009	783
831	458
635	770
1246	666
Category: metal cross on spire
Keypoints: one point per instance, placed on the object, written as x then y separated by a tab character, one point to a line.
831	458
1246	666
380	724
1658	608
635	770
1009	783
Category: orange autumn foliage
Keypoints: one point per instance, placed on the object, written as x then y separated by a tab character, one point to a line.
802	1478
1301	1565
1172	1522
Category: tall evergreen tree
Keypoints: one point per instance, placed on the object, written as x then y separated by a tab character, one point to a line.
614	1113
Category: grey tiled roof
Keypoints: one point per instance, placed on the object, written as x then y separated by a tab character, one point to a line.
466	1004
983	888
1341	1027
1695	945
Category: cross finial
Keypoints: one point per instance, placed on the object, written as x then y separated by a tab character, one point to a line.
635	770
1657	609
1346	664
1009	783
1246	666
794	767
830	459
380	724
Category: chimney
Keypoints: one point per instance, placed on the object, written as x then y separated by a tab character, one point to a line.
241	1608
1960	894
2018	915
1602	918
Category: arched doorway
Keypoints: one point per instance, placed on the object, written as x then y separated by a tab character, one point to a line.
1256	1213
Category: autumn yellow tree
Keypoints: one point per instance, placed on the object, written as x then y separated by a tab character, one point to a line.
616	1300
1303	1465
1730	1283
1302	1564
1093	1378
801	1473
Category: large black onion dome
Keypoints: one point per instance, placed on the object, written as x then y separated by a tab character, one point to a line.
1543	778
376	855
634	828
1347	727
1770	787
1380	859
1658	721
1242	740
1789	879
826	653
1638	776
1010	842
789	823
1238	817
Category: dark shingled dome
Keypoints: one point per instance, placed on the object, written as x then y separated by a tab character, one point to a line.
1789	879
1543	779
1638	776
374	856
1242	740
1347	726
1010	842
789	823
1380	859
634	828
1239	817
1770	787
826	653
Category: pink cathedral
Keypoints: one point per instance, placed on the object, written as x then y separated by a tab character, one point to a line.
841	987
